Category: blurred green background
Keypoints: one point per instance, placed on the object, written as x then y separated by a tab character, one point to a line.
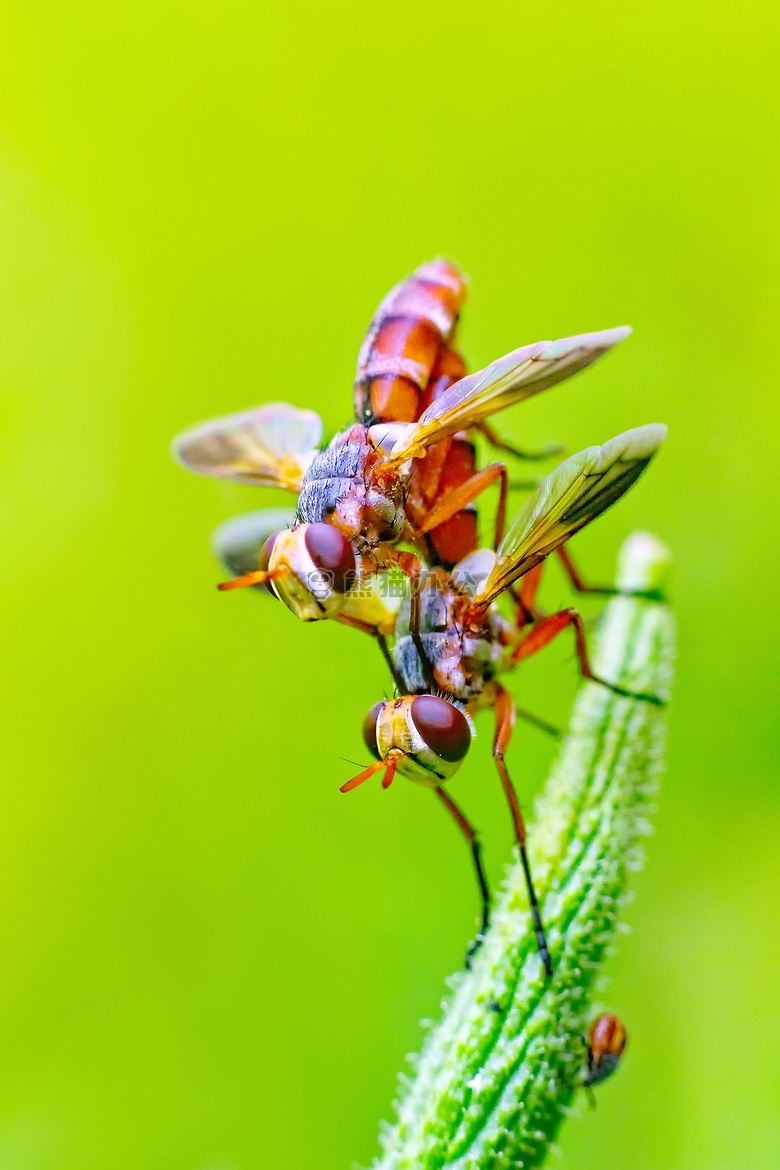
213	961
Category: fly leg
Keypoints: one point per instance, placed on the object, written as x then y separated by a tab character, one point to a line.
525	597
412	568
586	1081
524	485
537	721
384	649
527	614
373	632
500	444
580	586
505	719
415	619
544	631
466	493
469	832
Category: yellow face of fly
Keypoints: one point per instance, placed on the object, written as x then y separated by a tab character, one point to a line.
315	571
296	581
427	736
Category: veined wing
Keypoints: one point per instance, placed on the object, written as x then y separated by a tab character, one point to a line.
574	494
512	378
271	446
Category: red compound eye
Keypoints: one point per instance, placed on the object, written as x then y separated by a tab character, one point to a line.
444	727
331	553
369	729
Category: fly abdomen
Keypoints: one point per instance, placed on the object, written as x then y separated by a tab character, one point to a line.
457	537
408	331
332	475
320	498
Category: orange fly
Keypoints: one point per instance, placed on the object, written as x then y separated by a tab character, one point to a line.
367	491
407	361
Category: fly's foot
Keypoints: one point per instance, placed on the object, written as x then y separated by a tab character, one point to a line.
474	946
625	693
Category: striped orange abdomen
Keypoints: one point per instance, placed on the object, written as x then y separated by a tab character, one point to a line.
410	330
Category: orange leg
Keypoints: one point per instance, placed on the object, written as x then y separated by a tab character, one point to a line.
466	493
541	634
427	472
525	597
469	832
500	444
505	721
527	614
530	586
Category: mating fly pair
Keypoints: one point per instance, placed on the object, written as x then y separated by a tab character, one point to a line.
405	474
381	484
450	671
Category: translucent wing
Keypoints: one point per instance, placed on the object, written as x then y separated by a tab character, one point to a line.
512	378
271	445
238	541
574	494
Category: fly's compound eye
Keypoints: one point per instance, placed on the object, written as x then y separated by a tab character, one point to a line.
332	554
443	727
369	730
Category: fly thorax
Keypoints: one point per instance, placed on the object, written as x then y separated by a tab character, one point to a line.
339	487
332	475
384	516
441	635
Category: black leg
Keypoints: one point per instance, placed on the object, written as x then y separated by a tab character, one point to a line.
470	833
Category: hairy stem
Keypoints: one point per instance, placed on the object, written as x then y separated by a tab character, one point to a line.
496	1074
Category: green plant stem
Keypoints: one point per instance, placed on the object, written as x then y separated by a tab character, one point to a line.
496	1074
